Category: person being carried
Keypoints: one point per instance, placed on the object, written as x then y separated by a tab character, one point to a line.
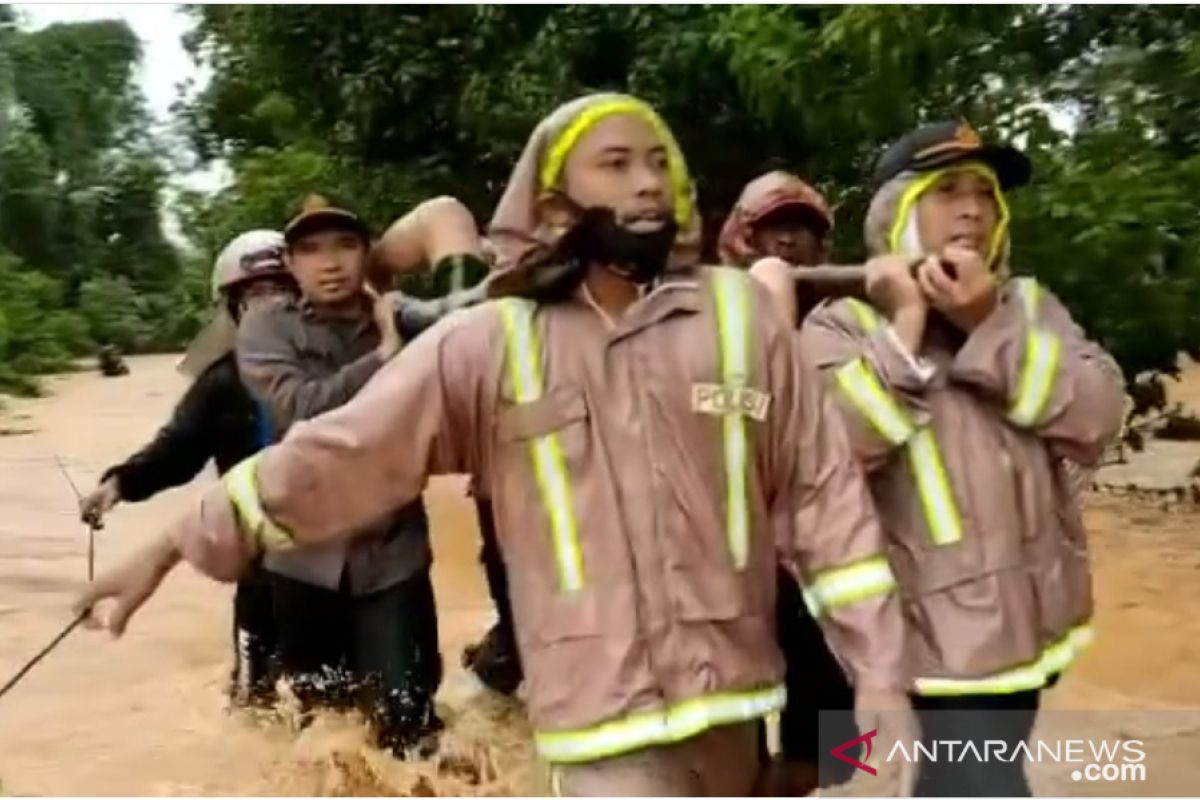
967	393
440	235
653	448
779	223
216	420
363	610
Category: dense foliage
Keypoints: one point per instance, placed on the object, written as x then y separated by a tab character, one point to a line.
392	104
83	257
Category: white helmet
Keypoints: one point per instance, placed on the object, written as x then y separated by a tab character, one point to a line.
253	254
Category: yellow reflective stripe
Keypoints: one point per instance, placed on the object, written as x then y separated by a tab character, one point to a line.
1031	297
933	487
864	390
918	187
648	728
811	602
241	485
1039	361
843	586
524	370
732	296
1053	660
564	143
1039	368
549	463
866	316
874	402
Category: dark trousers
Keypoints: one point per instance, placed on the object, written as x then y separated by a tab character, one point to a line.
379	651
975	718
820	697
493	566
253	637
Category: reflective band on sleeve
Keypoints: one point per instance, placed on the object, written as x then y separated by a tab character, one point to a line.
732	296
933	487
1053	660
843	586
648	728
874	402
868	320
241	484
1039	368
549	464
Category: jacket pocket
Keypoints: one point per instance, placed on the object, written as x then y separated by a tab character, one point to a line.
556	409
703	593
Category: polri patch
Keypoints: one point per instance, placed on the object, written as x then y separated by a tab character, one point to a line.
712	398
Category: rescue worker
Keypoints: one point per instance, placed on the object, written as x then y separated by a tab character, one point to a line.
441	235
356	619
653	449
967	391
216	419
778	223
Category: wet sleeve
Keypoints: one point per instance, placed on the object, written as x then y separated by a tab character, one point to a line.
877	387
181	447
1032	360
424	414
831	537
270	363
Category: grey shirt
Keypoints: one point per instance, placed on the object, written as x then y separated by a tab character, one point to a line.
300	363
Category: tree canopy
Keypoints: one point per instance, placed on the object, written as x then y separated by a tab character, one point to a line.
389	105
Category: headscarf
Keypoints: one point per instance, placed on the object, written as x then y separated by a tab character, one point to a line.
891	223
763	195
515	229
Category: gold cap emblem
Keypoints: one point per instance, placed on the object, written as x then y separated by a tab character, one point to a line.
966	136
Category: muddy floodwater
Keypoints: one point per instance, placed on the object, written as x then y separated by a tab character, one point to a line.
146	714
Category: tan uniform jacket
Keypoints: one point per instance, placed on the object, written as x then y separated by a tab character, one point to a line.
648	474
968	451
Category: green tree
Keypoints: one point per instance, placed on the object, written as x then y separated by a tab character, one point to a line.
396	104
81	187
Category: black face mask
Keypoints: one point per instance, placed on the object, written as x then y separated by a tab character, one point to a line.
597	238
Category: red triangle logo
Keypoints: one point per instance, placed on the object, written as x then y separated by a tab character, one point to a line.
839	752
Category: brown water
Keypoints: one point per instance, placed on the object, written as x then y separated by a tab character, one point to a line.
146	715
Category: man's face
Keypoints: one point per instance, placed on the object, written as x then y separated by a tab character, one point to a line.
328	265
959	208
621	164
789	233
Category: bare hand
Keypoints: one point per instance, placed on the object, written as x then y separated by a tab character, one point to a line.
98	502
386	305
968	298
776	275
891	286
130	585
890	713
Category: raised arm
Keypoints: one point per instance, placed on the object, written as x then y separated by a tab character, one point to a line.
426	414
